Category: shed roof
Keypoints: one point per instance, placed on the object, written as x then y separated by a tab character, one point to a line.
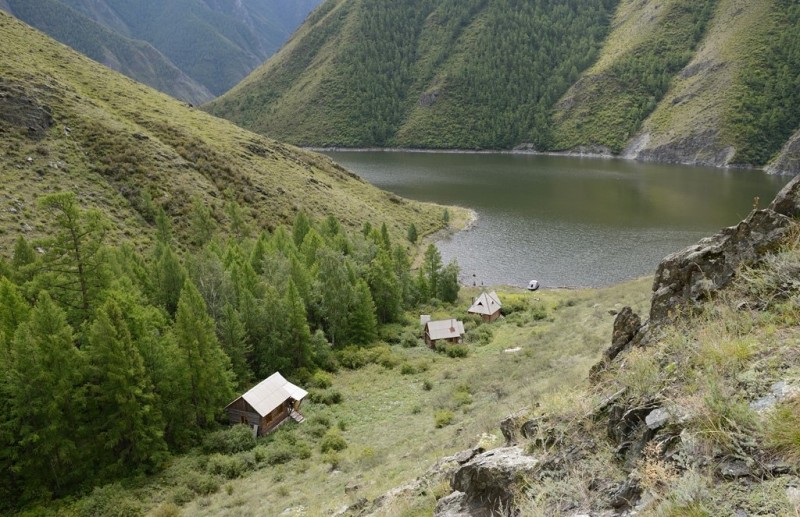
271	393
445	329
486	303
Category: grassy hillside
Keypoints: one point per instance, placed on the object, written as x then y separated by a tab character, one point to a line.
133	58
421	74
68	123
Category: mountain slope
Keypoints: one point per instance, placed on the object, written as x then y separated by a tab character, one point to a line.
420	73
70	124
133	58
711	82
213	43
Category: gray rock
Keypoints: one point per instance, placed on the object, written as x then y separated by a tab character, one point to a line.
687	277
657	418
510	425
734	469
490	478
625	495
779	392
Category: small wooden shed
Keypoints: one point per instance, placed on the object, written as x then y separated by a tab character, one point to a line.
267	405
448	331
487	306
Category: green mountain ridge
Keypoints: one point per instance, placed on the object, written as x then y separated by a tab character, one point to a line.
191	49
70	124
710	82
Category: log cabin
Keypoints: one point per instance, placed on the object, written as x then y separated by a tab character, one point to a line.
449	331
487	306
267	405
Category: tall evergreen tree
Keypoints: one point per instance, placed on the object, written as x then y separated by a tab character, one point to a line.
300	228
298	335
432	266
234	341
167	277
128	429
334	292
74	260
210	377
362	324
13	312
46	375
385	287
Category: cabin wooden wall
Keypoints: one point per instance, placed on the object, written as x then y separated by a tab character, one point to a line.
241	410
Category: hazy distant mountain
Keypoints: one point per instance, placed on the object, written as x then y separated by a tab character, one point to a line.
192	49
709	82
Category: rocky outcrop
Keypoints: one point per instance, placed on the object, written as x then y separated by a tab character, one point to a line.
628	330
696	149
690	276
487	484
23	111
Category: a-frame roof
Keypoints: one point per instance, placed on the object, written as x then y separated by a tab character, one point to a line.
486	303
271	393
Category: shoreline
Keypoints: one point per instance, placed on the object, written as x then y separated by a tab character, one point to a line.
530	152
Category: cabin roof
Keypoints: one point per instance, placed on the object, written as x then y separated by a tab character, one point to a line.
445	329
271	393
486	303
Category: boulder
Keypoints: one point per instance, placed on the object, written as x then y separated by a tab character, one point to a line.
688	277
490	479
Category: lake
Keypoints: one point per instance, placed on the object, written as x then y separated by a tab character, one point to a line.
566	221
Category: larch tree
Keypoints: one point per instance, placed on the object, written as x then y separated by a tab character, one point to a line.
210	385
128	428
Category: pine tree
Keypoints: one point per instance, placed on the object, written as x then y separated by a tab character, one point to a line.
128	429
386	241
298	336
74	262
210	378
45	378
300	228
412	234
22	259
234	341
168	277
334	294
432	266
362	324
13	312
385	287
202	223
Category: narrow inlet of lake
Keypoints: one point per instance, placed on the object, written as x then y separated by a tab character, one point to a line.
566	221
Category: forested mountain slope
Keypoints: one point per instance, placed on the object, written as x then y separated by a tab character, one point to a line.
68	123
191	49
711	82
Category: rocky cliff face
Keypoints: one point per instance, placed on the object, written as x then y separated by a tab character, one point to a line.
788	161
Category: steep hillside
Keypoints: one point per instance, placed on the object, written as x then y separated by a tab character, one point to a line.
136	59
213	44
421	74
70	124
710	82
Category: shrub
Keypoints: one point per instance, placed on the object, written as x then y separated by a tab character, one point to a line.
409	340
332	441
280	452
352	357
230	467
333	459
321	380
408	369
427	385
514	305
202	484
109	501
327	397
538	312
182	495
238	438
783	429
383	355
454	351
443	417
166	510
481	335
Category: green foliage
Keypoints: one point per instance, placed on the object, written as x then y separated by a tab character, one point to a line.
237	438
332	441
621	97
411	234
782	430
110	501
453	351
443	417
766	111
328	397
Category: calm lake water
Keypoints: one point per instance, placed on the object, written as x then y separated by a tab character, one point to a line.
566	221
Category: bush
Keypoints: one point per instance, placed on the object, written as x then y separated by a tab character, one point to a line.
238	438
109	501
352	357
481	335
427	385
229	467
514	305
408	369
182	495
327	397
454	351
202	484
321	380
409	340
284	451
332	441
538	312
443	417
